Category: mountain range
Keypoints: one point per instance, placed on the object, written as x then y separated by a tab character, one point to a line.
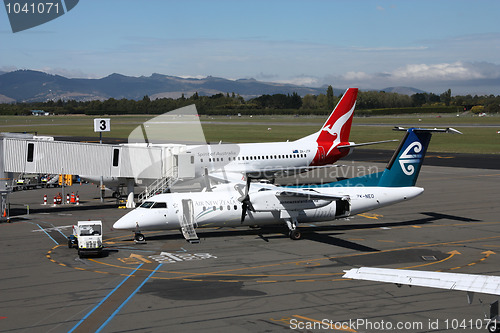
36	86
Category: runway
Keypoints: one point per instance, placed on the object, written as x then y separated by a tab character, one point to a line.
254	280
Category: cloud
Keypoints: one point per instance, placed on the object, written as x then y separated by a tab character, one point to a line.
448	71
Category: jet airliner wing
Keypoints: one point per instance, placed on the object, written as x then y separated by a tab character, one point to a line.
486	284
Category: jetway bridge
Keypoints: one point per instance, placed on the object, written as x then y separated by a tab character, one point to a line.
157	163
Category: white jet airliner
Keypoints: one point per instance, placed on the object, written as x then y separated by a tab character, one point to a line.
231	205
234	162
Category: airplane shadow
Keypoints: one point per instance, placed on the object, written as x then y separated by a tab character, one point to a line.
322	234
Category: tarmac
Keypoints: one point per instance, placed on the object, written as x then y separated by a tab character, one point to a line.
255	280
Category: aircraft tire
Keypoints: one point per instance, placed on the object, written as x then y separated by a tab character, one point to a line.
139	237
295	234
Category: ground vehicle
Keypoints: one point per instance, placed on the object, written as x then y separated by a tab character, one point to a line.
87	236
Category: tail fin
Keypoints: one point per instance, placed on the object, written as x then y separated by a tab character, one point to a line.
405	164
338	126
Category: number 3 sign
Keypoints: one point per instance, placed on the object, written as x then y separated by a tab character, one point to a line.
102	125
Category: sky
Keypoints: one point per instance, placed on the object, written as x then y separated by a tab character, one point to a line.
430	45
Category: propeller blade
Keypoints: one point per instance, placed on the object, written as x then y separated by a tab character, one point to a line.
243	212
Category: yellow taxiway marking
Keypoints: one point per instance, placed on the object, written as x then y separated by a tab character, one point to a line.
370	216
486	253
135	259
188	275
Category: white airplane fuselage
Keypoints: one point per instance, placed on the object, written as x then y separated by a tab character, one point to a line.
221	208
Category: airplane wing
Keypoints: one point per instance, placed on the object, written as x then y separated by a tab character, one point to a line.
350	145
486	284
310	195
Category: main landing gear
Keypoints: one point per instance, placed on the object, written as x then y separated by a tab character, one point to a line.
294	233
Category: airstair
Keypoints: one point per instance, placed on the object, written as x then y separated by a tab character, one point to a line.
160	185
187	222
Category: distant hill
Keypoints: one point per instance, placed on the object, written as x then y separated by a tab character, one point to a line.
31	86
403	90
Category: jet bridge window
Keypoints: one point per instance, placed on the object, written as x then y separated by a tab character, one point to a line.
116	155
31	150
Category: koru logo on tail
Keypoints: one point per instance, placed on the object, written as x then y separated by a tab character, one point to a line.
409	156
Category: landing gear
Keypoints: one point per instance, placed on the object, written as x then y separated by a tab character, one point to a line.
139	238
294	234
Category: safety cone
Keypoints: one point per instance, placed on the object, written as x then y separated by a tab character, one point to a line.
45	199
77	200
73	200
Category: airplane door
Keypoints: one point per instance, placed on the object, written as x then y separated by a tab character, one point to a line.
188	212
187	221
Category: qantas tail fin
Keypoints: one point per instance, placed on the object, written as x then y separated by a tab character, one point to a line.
338	126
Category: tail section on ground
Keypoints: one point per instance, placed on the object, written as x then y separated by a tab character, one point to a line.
336	130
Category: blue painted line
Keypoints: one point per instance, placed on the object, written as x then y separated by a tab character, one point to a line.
59	231
104	299
47	234
126	301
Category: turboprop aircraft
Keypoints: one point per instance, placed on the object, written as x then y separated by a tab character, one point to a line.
230	205
234	162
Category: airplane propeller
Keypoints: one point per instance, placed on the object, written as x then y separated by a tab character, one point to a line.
245	200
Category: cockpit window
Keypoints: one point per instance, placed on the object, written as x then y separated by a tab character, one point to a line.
147	204
160	205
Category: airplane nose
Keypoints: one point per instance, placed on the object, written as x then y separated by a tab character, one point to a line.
126	222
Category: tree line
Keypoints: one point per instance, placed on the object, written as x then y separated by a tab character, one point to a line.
222	104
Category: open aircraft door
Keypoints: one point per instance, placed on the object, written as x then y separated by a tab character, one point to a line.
188	222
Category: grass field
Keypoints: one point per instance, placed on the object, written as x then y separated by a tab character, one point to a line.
480	133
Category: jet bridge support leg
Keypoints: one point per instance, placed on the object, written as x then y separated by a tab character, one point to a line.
130	193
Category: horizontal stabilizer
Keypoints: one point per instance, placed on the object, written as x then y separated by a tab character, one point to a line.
351	145
444	130
486	284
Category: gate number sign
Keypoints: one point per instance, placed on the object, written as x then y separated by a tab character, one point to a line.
102	125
